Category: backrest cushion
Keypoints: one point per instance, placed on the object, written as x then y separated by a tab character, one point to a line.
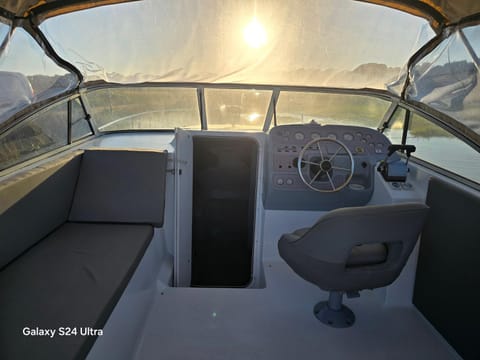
121	186
333	236
34	202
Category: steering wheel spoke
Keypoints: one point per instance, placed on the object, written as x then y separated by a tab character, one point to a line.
327	165
335	154
321	152
340	168
331	181
310	162
315	177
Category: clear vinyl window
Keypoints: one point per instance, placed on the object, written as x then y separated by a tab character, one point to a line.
42	132
28	75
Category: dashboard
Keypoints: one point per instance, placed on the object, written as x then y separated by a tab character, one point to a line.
335	168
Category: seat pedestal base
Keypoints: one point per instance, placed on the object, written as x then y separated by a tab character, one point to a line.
341	318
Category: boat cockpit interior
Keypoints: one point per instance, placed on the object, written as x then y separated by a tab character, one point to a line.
239	185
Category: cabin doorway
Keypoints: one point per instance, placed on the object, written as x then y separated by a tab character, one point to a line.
223	213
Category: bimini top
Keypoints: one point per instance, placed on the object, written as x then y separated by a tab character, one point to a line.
49	8
439	12
51	47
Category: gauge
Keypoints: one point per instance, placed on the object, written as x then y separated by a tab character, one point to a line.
315	135
299	136
348	137
332	136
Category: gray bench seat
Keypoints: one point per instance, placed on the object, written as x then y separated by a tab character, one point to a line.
72	233
73	278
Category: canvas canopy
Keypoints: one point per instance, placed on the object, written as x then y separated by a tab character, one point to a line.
49	8
321	43
439	12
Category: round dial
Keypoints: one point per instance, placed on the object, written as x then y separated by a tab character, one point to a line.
299	136
348	137
315	135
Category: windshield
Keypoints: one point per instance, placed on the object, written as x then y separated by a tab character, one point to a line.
121	108
322	108
339	43
144	108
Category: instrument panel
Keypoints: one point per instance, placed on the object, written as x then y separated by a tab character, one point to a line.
353	148
358	139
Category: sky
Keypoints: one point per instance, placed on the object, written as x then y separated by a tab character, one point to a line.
188	40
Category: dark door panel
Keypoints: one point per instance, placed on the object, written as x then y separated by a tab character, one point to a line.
224	177
447	286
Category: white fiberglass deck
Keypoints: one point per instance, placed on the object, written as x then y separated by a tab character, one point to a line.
277	322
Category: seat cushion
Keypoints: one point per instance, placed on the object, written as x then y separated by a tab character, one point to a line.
49	187
367	254
73	278
110	179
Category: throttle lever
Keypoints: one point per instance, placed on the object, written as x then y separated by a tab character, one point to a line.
397	170
395	147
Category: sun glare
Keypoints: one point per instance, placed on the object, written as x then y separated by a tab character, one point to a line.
253	116
254	34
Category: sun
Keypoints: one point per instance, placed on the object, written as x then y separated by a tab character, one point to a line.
253	116
254	34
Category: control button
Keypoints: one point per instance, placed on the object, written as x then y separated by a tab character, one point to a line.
279	181
289	182
356	187
407	186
